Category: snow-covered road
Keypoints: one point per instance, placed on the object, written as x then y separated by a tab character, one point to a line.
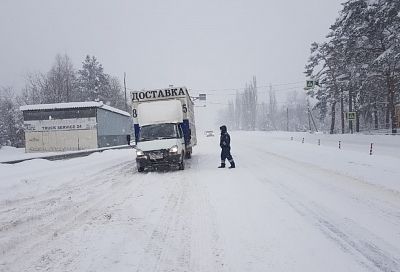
287	207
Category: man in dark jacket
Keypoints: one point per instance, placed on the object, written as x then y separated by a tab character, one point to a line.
225	144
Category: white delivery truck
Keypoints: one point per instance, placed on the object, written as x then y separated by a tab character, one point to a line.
164	127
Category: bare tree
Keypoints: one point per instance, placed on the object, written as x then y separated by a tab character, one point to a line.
61	80
56	86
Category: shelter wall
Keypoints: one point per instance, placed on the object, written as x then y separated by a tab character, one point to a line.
53	141
112	128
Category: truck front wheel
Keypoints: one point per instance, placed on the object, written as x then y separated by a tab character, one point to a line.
188	153
182	163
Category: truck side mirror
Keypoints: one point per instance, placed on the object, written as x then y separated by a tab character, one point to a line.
128	139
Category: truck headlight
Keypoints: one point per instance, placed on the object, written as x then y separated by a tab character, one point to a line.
139	152
173	149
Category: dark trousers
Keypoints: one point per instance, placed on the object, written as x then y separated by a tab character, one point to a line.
226	154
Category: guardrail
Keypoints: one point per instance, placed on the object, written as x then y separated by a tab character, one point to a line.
382	131
69	155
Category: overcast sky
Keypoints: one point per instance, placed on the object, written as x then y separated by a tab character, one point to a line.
205	44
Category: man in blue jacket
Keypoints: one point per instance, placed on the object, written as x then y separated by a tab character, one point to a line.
225	144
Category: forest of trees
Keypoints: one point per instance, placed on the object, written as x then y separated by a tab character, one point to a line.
254	109
358	67
62	83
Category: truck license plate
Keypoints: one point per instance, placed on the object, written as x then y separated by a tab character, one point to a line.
155	156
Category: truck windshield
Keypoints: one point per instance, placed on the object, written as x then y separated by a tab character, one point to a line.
158	132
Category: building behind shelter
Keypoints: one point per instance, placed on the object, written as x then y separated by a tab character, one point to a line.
74	126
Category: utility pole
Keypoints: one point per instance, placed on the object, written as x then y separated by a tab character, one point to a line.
310	117
310	84
287	119
126	104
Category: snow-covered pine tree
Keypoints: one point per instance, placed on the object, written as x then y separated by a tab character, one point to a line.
324	66
93	82
362	49
11	121
95	85
385	39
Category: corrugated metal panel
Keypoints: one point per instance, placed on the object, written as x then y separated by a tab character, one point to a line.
112	128
59	114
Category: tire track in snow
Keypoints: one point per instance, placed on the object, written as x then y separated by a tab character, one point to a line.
355	240
54	220
389	193
369	250
69	184
114	212
385	201
54	201
208	254
207	251
185	237
153	253
181	235
95	217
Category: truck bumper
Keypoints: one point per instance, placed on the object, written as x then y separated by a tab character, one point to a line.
166	162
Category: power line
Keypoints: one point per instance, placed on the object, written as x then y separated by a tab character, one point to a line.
243	88
299	87
258	104
275	90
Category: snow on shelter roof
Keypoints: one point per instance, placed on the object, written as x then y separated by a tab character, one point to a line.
72	105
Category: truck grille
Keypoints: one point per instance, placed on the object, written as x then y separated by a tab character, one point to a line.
156	155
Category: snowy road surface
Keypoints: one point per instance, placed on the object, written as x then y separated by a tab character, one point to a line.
287	207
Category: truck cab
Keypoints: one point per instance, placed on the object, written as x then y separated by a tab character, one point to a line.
160	145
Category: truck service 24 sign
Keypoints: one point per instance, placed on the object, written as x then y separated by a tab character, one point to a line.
60	124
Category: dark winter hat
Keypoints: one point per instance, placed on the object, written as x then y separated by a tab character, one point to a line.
223	128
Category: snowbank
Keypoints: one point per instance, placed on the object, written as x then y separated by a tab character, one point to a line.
8	153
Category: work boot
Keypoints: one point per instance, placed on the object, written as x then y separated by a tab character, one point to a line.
232	164
222	165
